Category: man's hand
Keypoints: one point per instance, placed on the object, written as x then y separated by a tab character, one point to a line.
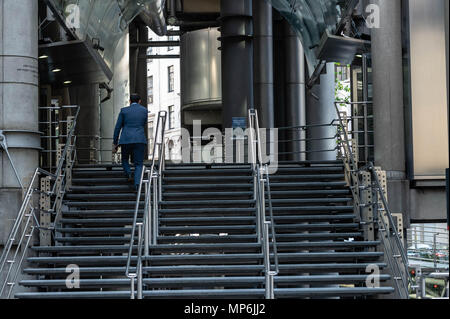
115	148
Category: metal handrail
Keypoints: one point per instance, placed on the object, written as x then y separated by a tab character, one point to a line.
393	246
350	170
390	230
260	184
27	213
272	221
150	221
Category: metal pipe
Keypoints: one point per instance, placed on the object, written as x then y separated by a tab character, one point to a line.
237	59
295	90
153	16
263	62
139	262
146	219
155	208
268	287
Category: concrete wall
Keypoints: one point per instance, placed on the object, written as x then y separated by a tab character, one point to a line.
119	98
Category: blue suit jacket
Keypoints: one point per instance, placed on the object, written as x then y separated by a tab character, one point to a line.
132	122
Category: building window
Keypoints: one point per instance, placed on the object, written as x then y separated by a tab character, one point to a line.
171	78
171	117
150	51
342	72
150	89
170	38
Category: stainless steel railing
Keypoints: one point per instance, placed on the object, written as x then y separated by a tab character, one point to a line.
394	250
27	222
428	246
148	228
261	189
392	243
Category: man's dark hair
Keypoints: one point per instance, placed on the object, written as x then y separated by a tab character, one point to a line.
135	98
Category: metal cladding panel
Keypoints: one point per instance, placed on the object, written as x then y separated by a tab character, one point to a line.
310	19
428	88
106	20
201	68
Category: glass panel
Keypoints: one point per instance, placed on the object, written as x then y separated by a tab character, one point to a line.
310	19
105	20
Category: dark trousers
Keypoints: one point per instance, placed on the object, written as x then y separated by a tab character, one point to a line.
137	150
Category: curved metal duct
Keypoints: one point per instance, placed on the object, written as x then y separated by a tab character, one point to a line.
153	16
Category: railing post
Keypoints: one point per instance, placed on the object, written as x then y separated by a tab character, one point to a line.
45	217
382	179
139	263
155	209
146	219
132	296
262	204
268	287
367	210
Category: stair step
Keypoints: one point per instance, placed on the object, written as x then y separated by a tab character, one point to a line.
92	196
246	228
215	171
119	213
190	248
208	186
230	229
213	293
103	188
208	259
241	281
308	184
103	203
210	238
210	269
207	178
297	170
211	202
279	237
274	178
100	180
207	194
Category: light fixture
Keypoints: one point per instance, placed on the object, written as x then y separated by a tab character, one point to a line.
359	56
56	70
67	82
43	56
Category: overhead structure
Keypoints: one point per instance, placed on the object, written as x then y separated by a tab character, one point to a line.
314	22
105	21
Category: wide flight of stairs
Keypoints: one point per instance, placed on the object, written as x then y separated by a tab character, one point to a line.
207	243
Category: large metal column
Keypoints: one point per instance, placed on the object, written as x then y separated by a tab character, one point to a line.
320	110
237	59
88	127
263	62
295	92
18	103
389	131
138	33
